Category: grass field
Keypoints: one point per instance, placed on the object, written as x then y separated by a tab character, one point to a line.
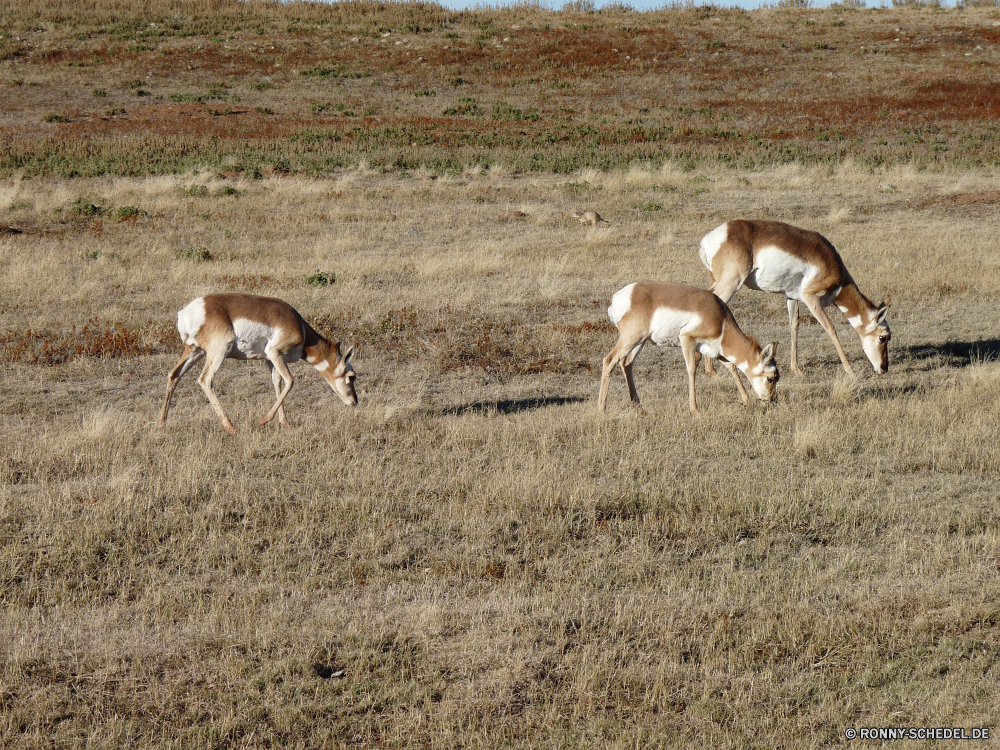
473	557
259	87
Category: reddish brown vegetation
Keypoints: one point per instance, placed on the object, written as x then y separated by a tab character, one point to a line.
969	204
499	347
406	86
93	339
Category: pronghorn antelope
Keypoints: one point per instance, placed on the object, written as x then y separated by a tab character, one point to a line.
774	257
696	319
589	218
243	326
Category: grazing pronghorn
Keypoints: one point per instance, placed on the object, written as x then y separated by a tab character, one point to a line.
243	326
775	257
696	319
589	218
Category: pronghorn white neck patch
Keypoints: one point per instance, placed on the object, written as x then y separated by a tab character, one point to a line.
322	366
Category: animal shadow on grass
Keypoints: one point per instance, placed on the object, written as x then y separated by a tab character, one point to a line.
875	391
956	353
512	406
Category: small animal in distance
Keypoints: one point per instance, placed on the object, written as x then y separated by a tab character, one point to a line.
589	218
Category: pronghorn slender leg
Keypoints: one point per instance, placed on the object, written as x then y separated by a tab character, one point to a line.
276	380
739	383
793	323
817	310
688	347
188	360
278	362
623	347
626	365
215	360
610	362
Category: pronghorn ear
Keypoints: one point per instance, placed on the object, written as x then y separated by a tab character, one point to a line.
348	354
883	310
768	352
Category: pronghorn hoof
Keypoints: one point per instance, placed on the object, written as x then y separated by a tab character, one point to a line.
230	429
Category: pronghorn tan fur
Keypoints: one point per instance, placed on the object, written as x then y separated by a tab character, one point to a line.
242	326
697	320
804	266
589	218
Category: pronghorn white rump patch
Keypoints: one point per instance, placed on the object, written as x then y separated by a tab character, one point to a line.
621	303
253	337
190	320
668	324
711	243
777	271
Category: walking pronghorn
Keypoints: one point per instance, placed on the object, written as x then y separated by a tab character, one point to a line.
695	319
243	326
775	257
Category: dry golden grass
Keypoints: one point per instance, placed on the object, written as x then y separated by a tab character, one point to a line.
474	557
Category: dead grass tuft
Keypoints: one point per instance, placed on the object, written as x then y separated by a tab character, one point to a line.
92	339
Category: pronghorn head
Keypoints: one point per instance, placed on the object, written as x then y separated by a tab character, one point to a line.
335	368
875	338
763	374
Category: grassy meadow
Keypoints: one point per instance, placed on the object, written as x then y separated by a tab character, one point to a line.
474	557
